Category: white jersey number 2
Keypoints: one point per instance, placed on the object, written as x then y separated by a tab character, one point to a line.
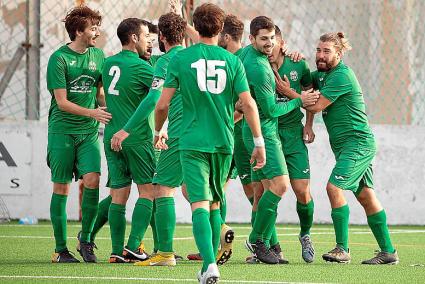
208	68
116	72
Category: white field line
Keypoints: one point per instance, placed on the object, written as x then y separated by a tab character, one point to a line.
237	227
143	279
237	236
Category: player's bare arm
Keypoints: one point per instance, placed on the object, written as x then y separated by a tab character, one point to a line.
320	105
64	104
161	111
100	95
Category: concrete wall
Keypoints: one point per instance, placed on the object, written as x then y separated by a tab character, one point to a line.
399	174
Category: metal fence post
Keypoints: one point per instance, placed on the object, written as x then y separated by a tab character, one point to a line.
32	98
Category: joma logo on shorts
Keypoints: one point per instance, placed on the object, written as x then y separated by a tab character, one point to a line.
339	178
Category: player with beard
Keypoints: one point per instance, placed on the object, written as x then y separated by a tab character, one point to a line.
274	175
127	80
353	144
74	81
168	174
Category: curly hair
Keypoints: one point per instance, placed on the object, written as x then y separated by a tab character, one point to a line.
208	20
172	27
79	18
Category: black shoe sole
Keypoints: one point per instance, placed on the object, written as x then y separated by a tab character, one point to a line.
229	236
212	280
224	257
330	259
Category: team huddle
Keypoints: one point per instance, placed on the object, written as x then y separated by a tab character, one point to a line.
229	109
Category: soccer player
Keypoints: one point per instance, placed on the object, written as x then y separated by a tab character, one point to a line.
353	144
210	80
274	176
291	133
127	80
102	216
168	172
74	81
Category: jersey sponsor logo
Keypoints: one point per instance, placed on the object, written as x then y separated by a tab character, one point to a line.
339	177
306	171
293	75
92	66
83	84
157	83
72	62
243	176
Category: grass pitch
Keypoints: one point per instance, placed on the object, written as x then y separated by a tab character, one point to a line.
26	250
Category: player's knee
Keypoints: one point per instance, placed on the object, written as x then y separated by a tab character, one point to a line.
163	191
91	180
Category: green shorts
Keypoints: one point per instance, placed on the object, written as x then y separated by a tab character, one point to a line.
275	161
169	169
295	152
72	155
233	172
133	163
242	157
353	169
205	174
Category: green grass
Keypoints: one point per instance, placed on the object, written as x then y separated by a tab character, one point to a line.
26	250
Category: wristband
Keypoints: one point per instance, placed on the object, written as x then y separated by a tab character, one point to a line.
259	141
156	133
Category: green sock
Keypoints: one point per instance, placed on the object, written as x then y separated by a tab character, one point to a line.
266	213
165	216
102	216
252	236
378	224
223	210
305	213
273	240
251	200
58	218
117	225
139	222
215	220
203	236
154	228
89	208
340	217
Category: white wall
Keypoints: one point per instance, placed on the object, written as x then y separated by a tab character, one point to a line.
399	178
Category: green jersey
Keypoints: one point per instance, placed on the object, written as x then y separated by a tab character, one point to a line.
263	89
238	125
298	74
79	74
210	80
154	59
127	80
148	105
345	118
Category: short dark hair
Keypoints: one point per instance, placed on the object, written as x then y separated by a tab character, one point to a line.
153	29
233	26
128	27
208	20
79	18
172	27
277	31
259	23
